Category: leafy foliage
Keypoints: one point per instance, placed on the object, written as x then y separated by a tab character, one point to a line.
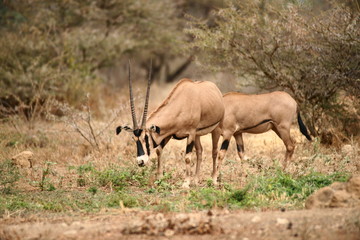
54	49
313	53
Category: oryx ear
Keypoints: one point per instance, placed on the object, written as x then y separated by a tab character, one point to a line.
154	128
126	128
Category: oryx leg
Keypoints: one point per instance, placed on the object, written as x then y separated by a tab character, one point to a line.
215	135
221	155
240	145
159	150
199	151
189	147
283	132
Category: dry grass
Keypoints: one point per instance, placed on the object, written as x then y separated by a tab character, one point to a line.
67	160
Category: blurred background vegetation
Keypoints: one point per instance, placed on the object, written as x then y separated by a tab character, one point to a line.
58	51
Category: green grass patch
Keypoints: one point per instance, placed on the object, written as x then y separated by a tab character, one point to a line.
9	175
65	201
117	187
276	189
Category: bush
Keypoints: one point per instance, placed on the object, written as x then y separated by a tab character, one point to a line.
54	53
314	53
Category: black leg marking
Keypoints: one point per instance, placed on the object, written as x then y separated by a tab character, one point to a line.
140	150
189	147
225	144
162	144
240	147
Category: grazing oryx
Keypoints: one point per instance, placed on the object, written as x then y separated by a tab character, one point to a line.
258	114
191	110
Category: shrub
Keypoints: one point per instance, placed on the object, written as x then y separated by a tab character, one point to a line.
311	52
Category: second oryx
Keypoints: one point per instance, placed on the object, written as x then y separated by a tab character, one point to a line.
192	109
258	114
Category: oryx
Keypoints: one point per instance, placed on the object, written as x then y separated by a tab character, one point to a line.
258	114
192	109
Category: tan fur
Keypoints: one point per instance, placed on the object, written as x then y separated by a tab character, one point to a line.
189	106
248	113
191	110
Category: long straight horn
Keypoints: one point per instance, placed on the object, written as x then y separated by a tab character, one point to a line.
135	124
143	123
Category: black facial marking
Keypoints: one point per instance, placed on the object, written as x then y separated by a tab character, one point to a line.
137	132
225	144
157	129
154	143
140	150
240	147
118	130
147	144
189	147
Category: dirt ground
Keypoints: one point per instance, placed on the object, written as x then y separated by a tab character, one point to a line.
329	223
337	224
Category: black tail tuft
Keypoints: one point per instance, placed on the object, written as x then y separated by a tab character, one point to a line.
303	128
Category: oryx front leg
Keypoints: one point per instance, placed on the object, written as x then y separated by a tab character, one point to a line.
199	151
215	135
159	150
189	148
221	155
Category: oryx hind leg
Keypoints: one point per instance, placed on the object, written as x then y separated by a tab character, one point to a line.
199	151
240	145
284	133
189	147
221	155
159	150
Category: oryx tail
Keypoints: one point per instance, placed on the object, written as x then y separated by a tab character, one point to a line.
302	127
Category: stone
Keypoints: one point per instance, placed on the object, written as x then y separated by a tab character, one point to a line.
353	186
320	199
23	159
347	149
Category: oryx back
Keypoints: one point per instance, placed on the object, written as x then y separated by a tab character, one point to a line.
254	113
191	106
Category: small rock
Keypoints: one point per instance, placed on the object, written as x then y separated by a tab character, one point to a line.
320	199
338	186
23	159
340	199
282	221
255	219
347	149
353	186
169	233
70	233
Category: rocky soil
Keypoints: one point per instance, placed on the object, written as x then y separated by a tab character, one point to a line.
333	213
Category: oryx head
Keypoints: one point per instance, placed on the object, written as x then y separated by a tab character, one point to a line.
142	136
